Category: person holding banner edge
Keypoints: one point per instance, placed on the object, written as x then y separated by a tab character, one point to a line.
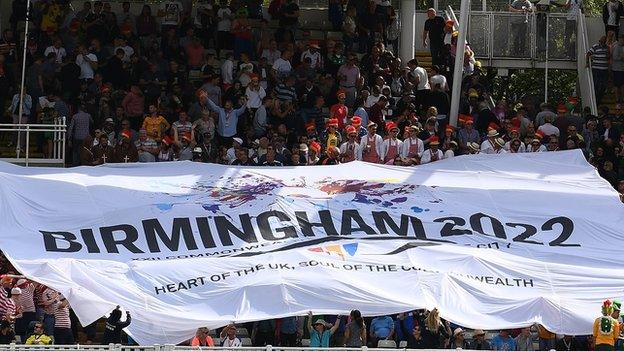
321	331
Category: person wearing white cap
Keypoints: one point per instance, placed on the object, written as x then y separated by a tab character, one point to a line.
488	145
499	146
237	143
458	341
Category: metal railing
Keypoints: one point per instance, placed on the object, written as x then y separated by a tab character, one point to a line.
117	347
56	132
507	35
586	79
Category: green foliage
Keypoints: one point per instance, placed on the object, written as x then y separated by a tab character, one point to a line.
520	84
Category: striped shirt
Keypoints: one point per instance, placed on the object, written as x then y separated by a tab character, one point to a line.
600	56
26	300
182	127
49	297
7	305
285	93
61	315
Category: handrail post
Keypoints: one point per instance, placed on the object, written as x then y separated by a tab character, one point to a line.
63	138
27	142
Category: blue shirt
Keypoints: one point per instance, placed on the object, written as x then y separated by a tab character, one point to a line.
228	120
319	340
382	326
500	344
360	111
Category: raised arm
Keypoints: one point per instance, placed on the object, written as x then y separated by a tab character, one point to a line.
336	325
213	106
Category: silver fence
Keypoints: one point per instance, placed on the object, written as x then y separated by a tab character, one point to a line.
28	133
506	35
112	347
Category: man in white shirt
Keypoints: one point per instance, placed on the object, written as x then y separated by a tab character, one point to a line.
228	337
412	148
121	43
282	66
418	76
227	70
171	13
57	49
125	17
254	92
350	150
315	56
87	62
433	153
487	146
271	54
224	25
548	128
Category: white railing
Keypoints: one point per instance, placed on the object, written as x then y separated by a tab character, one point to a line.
586	79
56	155
117	347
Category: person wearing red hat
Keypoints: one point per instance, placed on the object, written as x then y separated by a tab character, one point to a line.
412	148
371	144
536	143
332	156
125	151
339	110
514	135
391	147
332	138
356	122
166	150
350	150
433	153
313	153
467	134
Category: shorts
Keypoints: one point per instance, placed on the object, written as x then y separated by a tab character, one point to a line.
604	347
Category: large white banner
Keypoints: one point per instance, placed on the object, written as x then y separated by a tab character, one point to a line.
492	240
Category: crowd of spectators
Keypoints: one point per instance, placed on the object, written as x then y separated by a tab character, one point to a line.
233	82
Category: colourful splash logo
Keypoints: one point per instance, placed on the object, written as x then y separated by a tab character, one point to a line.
336	249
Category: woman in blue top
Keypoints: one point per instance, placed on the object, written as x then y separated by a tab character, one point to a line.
321	331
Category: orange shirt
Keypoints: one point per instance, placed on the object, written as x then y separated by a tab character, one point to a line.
606	330
209	341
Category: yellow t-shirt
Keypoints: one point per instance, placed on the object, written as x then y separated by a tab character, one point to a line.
606	330
332	140
155	126
39	340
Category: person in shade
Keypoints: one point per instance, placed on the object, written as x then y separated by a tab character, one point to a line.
321	331
114	326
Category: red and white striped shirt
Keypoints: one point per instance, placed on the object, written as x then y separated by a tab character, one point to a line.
48	299
61	315
7	305
26	300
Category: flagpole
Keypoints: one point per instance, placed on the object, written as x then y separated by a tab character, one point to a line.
21	102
